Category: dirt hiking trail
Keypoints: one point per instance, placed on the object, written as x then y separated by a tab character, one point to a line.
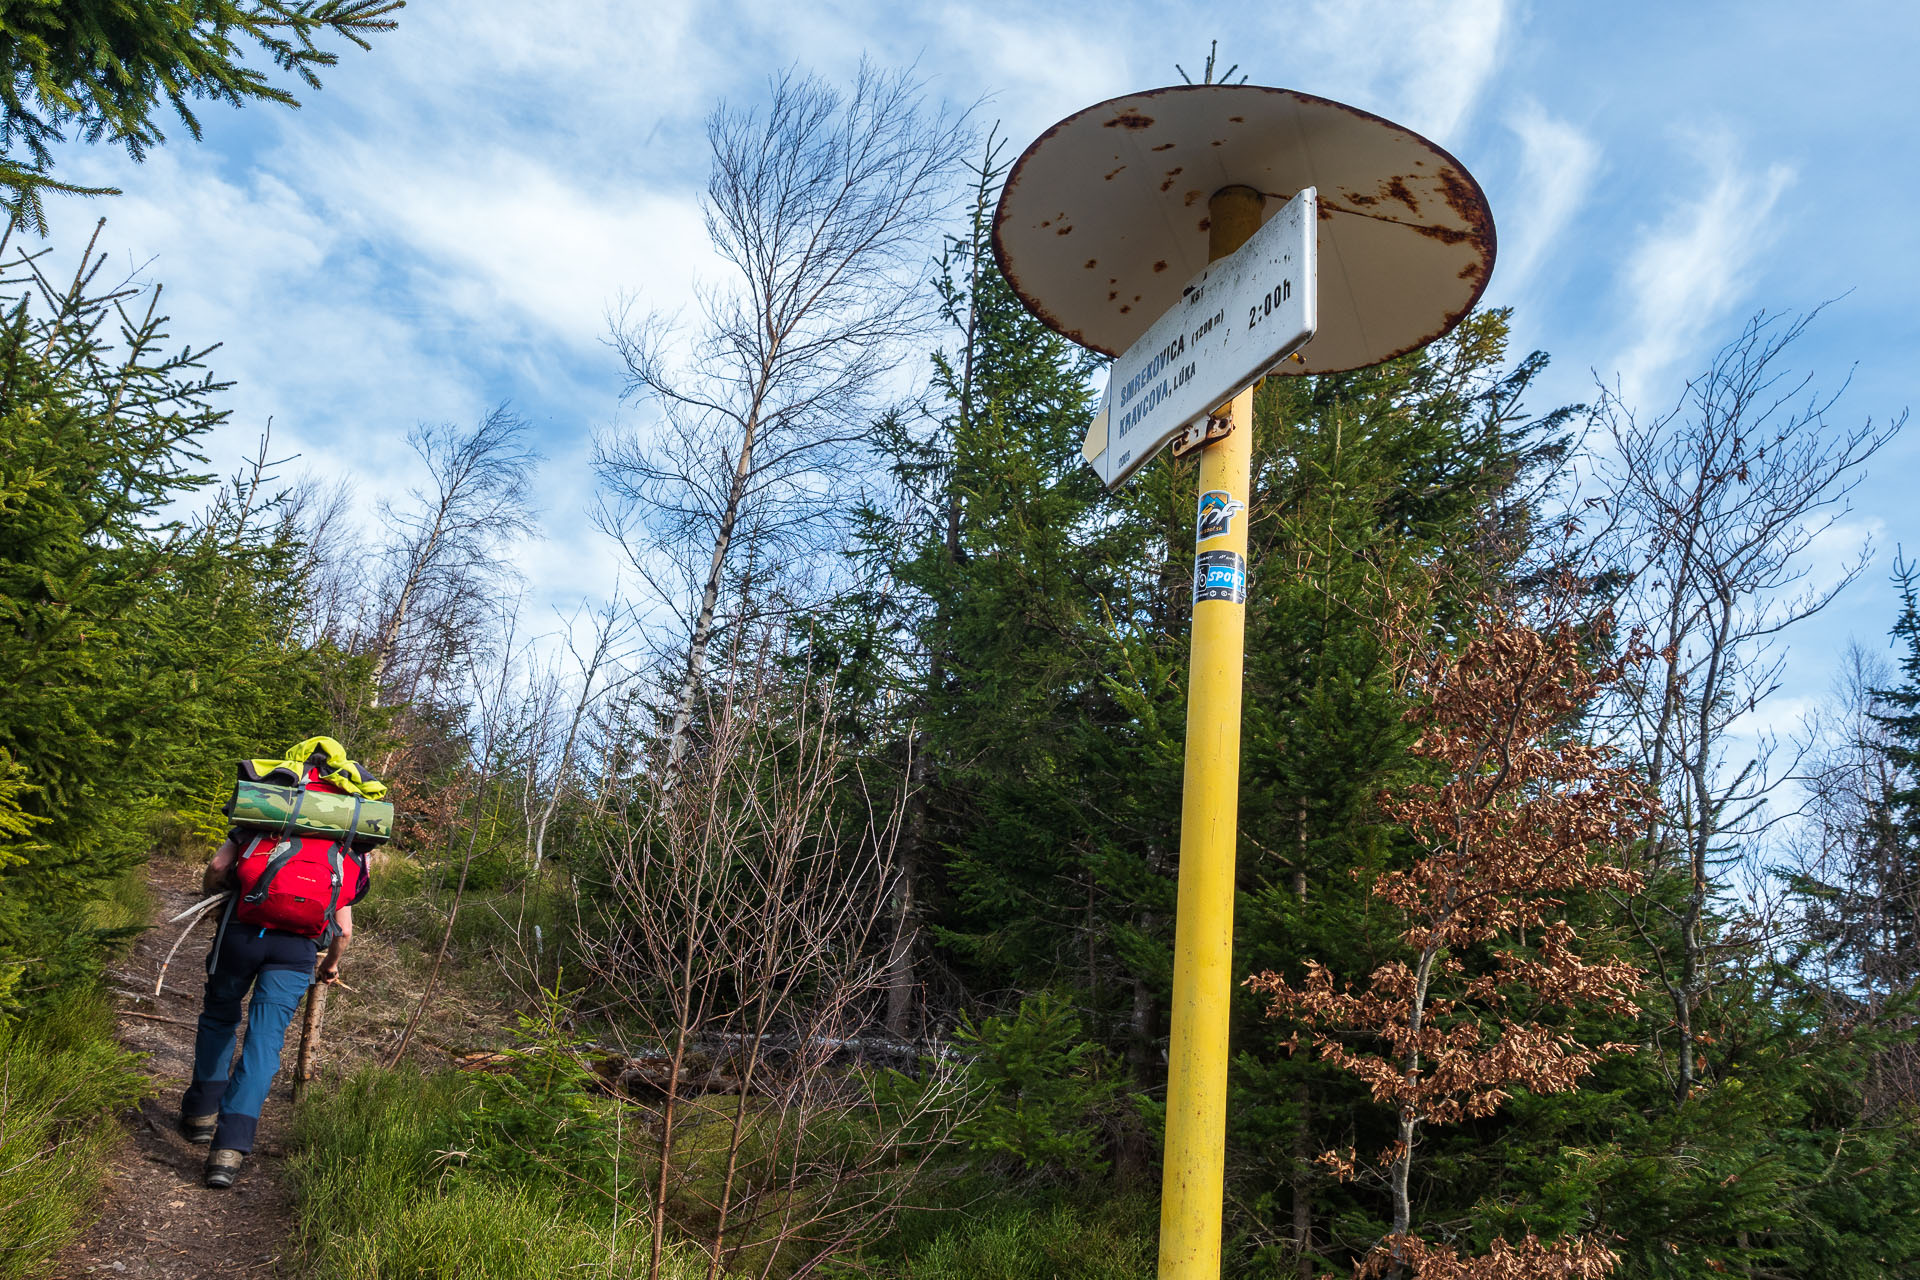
157	1219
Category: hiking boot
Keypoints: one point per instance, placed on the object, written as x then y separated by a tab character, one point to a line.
223	1166
198	1129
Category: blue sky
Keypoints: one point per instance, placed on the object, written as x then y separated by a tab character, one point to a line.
450	221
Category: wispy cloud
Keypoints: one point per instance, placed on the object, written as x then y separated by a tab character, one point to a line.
1684	274
1558	164
523	243
1424	63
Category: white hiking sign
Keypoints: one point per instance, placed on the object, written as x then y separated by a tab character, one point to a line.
1234	321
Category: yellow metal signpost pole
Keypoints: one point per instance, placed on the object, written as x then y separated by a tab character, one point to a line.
1192	1190
1122	179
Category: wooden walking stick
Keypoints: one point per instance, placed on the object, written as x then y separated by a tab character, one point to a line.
309	1037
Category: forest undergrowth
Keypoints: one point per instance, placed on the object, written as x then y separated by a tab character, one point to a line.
496	1148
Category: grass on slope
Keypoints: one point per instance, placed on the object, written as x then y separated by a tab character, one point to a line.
390	1184
61	1077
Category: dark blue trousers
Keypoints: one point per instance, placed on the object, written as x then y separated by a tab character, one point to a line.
278	968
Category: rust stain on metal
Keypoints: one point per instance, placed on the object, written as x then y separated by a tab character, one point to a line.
1463	198
1092	263
1116	173
1160	266
1351	197
1438	179
1191	197
1064	231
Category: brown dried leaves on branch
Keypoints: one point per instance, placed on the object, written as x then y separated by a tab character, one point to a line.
1521	816
1576	1259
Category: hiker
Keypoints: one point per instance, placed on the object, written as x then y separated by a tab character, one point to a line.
293	865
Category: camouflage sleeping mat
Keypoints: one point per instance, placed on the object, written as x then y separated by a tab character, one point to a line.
266	806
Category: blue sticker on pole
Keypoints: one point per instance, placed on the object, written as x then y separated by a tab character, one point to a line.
1220	575
1217	510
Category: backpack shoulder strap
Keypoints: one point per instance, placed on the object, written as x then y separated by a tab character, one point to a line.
287	850
338	872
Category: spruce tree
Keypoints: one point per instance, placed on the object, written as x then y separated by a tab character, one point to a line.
104	70
141	652
1891	963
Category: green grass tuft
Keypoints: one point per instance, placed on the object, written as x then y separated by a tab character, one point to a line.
61	1077
388	1187
1067	1241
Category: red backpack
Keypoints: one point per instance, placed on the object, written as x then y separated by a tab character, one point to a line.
296	882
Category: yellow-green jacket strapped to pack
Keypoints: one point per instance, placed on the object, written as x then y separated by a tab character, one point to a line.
274	795
325	757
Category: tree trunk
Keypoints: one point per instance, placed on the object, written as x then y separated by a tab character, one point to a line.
709	601
1693	962
1302	1180
900	977
1402	1202
566	750
1398	1175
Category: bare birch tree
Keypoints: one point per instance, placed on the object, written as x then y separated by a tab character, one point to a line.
1714	509
1854	876
548	775
1841	855
446	554
822	205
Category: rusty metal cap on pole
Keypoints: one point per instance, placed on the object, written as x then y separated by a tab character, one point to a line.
1104	218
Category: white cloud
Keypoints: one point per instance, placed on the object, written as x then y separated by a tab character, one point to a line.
509	231
1684	274
1558	164
1423	63
258	266
1037	69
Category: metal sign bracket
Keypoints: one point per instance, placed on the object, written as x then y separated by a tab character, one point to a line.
1217	425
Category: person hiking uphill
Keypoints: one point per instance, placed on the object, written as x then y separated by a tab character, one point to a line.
293	864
